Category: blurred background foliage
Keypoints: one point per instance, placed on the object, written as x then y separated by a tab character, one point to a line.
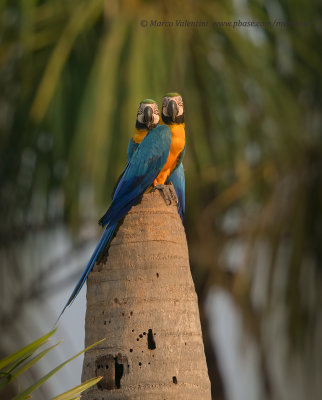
72	74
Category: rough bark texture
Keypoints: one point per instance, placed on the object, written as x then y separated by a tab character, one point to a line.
142	299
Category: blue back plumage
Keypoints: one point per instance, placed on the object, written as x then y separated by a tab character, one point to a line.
139	174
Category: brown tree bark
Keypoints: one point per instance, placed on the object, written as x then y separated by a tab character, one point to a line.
142	299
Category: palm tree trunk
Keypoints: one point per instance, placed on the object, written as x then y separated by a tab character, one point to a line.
142	299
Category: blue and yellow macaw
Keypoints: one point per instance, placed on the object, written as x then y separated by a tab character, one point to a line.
173	116
141	127
148	117
151	164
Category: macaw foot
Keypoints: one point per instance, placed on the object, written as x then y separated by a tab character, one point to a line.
168	194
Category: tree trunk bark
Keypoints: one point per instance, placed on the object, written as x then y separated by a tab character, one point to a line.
142	299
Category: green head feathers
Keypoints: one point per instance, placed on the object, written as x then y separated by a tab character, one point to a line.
173	94
148	101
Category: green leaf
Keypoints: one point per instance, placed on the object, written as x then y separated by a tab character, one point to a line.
35	359
70	394
32	388
26	351
17	362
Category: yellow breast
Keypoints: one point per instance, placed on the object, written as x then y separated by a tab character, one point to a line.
177	145
139	135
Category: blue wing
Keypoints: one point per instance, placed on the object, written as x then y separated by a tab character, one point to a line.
178	180
177	177
132	146
139	174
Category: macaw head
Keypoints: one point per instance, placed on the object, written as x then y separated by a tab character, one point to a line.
148	115
172	109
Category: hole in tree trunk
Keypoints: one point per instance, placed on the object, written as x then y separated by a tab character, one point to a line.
151	342
118	373
174	380
112	369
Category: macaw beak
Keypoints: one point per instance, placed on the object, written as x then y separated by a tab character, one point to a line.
148	116
172	110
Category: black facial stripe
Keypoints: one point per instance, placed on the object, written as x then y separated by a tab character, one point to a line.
168	120
142	127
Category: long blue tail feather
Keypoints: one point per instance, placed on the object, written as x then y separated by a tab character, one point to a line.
104	240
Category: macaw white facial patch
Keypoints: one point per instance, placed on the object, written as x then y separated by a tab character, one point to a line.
155	109
165	102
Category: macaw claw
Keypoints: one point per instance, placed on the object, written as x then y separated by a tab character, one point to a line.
168	193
